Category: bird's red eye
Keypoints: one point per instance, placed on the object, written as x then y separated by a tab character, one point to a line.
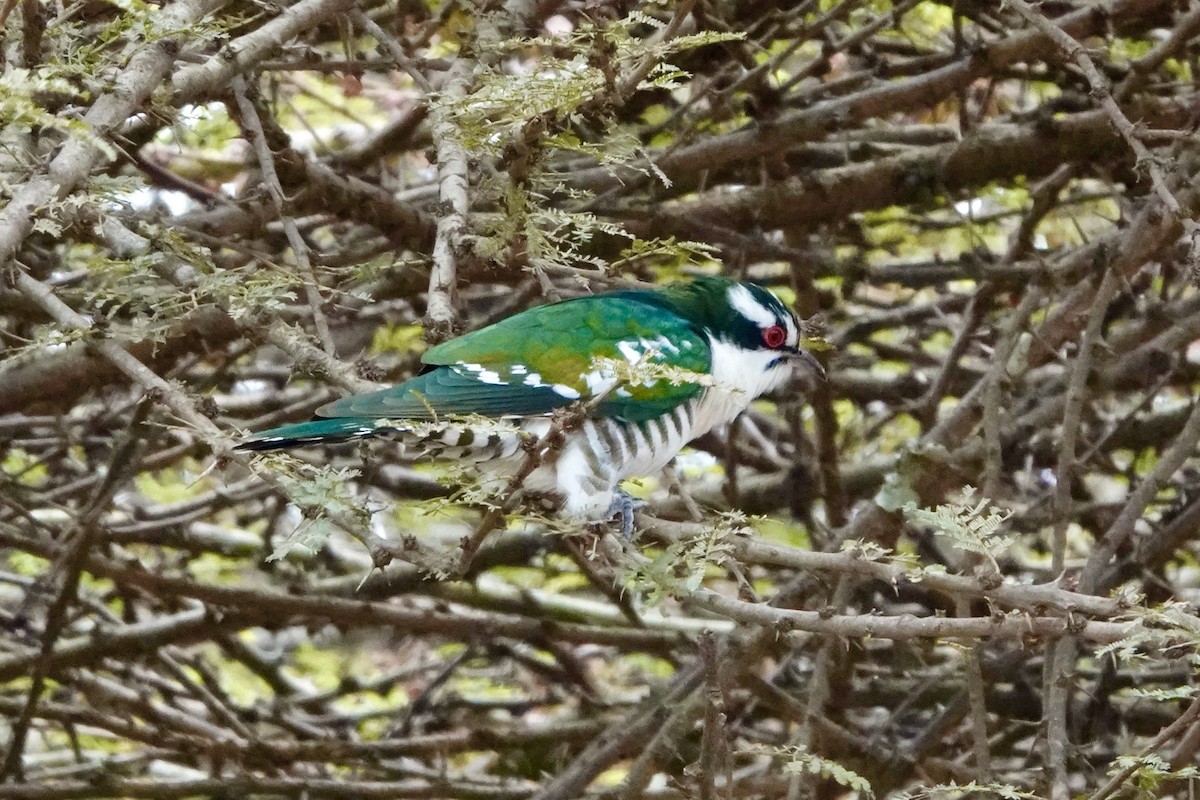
774	336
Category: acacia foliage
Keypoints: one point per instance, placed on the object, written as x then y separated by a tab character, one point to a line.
970	566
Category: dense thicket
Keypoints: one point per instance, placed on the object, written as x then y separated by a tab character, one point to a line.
967	560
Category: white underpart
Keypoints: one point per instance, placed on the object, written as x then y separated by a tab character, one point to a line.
739	376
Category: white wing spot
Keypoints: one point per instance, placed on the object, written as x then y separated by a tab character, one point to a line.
533	379
484	375
630	351
519	369
565	391
599	382
666	344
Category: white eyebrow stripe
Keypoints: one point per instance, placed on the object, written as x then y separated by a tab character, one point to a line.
744	303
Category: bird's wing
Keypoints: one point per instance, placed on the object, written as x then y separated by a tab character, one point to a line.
546	358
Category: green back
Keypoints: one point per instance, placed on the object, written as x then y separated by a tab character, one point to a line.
538	360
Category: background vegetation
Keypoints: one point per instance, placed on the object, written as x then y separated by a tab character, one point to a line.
221	214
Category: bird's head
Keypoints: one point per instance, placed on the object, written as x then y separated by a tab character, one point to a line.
755	337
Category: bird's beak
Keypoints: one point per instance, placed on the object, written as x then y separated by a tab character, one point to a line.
809	362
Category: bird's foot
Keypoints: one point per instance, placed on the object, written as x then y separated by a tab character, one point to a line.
623	506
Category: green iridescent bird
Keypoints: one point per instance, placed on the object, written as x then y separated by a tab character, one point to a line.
667	365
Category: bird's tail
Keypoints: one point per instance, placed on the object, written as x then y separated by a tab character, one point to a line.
318	431
478	440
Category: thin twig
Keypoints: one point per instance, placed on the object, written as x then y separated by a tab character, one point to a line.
1077	396
977	698
441	316
713	737
67	571
252	125
995	386
183	407
1183	448
1101	92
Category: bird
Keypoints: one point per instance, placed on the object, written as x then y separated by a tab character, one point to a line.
654	368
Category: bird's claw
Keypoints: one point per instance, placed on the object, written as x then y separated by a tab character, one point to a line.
623	505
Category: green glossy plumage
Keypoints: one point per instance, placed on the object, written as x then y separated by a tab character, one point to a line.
317	430
660	367
491	371
544	358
